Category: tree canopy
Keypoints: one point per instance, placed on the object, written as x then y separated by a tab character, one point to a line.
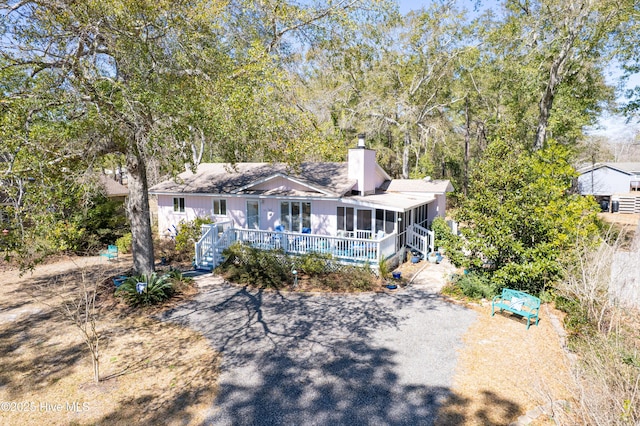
167	84
519	217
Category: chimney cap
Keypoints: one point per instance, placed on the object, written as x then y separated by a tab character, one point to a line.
361	137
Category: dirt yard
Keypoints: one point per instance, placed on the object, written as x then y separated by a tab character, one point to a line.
151	372
506	372
160	373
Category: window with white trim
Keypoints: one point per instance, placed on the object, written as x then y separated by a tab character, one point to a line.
178	204
220	207
295	215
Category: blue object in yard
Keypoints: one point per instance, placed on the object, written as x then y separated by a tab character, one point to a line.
438	257
396	275
119	280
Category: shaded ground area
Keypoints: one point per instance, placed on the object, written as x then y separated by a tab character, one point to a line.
322	359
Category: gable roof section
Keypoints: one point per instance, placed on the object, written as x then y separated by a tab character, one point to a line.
321	179
626	168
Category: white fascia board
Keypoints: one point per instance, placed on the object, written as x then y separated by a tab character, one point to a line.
362	203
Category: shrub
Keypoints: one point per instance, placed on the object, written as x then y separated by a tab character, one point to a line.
314	263
273	268
124	243
476	285
261	268
189	233
158	288
451	243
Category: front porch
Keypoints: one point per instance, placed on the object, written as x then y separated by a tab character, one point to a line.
361	247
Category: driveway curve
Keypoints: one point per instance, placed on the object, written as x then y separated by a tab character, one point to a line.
294	359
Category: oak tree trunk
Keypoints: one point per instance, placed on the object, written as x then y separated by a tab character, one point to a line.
138	212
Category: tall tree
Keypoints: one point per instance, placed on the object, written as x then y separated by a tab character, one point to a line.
148	79
566	43
519	219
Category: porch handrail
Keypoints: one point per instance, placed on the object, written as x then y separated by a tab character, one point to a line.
420	239
205	243
342	248
345	249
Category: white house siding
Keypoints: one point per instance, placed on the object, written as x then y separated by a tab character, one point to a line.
193	207
323	217
280	183
603	181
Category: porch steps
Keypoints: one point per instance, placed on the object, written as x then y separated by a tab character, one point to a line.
208	263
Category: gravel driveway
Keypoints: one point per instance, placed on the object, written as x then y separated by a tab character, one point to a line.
294	359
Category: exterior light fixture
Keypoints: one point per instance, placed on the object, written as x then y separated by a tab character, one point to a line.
361	140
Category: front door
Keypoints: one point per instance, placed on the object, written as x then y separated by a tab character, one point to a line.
253	214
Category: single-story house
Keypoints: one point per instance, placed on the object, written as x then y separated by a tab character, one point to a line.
352	210
616	186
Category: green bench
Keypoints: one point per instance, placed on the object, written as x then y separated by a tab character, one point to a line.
518	302
110	253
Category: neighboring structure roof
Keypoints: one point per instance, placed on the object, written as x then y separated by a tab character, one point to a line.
112	188
627	168
419	185
321	179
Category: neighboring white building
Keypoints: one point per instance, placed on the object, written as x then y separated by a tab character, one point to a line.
615	185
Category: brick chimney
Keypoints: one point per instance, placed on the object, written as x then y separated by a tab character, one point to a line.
362	167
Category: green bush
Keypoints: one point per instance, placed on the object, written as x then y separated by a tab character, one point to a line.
314	263
158	289
124	243
451	243
261	268
188	234
273	268
476	285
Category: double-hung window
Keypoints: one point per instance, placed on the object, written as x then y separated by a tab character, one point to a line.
178	204
220	207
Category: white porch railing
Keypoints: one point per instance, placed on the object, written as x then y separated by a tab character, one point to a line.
420	239
207	248
343	249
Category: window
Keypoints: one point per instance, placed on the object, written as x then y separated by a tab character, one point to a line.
220	207
364	220
390	221
178	205
385	221
295	215
345	219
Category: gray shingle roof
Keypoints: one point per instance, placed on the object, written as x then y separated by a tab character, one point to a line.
113	188
223	178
